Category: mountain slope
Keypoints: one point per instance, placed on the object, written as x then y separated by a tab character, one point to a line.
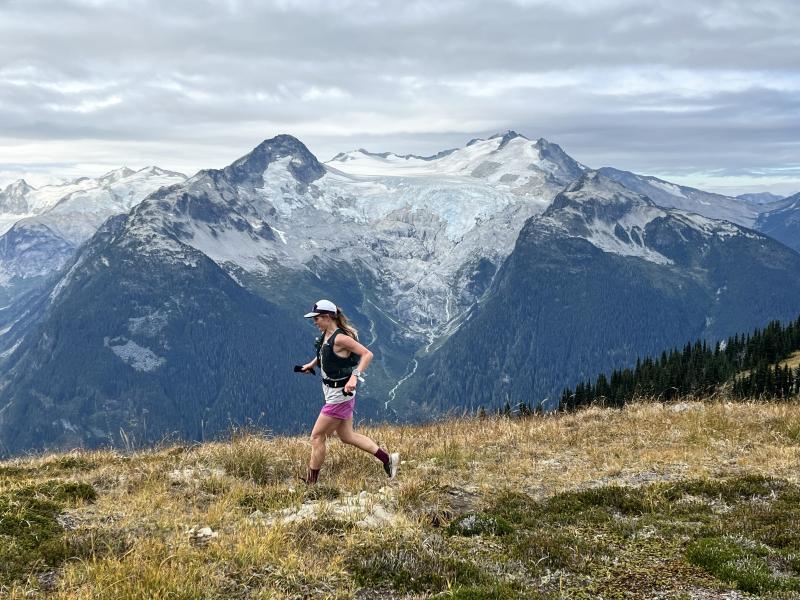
603	276
783	223
771	215
180	346
670	195
760	198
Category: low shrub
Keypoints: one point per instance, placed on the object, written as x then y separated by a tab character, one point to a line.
732	562
479	524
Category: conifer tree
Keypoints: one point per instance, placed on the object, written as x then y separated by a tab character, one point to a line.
749	363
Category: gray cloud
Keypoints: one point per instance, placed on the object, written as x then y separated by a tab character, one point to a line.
668	88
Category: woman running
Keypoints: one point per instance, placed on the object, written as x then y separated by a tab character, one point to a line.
342	361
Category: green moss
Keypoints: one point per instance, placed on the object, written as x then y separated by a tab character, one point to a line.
622	539
67	492
71	463
31	537
586	502
730	490
755	545
651	566
775	523
516	507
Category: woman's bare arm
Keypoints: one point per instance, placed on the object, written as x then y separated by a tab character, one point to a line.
346	343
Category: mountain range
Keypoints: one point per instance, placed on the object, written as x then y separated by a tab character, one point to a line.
601	277
41	228
503	269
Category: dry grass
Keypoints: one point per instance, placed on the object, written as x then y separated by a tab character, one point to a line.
132	542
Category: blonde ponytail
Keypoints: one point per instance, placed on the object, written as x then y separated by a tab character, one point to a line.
345	325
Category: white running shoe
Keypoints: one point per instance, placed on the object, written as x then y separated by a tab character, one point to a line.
391	466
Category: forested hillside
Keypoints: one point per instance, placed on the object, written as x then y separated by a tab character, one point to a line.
752	365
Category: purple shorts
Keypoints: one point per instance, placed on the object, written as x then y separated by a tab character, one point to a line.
342	410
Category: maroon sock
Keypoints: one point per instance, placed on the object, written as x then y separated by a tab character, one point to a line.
313	475
382	456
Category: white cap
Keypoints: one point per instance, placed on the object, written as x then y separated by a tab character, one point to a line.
322	307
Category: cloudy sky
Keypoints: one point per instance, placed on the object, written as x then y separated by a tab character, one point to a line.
701	93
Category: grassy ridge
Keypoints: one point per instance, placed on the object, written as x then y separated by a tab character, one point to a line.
651	501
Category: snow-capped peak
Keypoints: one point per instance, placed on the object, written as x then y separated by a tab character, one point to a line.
507	137
154	170
115	175
354	155
18	188
303	166
75	209
508	160
13	199
670	195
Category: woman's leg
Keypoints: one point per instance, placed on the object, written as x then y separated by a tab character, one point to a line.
324	427
348	436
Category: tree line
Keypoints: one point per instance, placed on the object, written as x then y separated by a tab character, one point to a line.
748	364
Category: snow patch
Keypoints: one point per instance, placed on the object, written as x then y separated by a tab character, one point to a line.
604	234
670	188
710	227
134	355
281	234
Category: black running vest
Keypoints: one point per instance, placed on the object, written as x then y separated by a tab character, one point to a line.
333	365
